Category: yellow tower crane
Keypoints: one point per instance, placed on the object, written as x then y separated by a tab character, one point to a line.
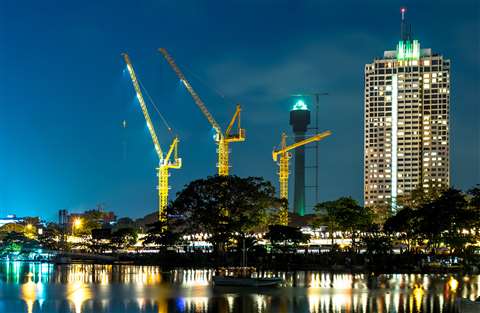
166	161
283	163
222	139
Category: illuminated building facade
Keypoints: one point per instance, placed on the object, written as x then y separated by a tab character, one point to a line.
406	120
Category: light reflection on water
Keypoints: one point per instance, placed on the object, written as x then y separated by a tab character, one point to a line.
81	288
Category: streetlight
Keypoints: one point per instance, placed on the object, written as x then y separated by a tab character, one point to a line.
77	223
29	230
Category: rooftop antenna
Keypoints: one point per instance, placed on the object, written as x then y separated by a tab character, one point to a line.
403	26
405	30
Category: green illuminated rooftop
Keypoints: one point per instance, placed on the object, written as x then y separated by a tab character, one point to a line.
408	50
300	105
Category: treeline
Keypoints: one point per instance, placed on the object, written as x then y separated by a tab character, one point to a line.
234	213
425	222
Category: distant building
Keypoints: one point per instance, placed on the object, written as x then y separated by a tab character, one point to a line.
406	136
67	219
11	218
105	217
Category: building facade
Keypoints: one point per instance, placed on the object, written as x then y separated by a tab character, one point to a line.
406	123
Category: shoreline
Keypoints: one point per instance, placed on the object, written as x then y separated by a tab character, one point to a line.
357	264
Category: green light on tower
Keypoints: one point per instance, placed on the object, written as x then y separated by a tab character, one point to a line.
300	105
408	50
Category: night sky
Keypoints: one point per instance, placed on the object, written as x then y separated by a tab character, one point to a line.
64	92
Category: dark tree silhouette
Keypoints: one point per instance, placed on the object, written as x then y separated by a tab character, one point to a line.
226	207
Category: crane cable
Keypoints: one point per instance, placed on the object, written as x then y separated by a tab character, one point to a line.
226	100
170	130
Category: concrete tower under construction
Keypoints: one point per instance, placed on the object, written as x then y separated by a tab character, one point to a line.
299	119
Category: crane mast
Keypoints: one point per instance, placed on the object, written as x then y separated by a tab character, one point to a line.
222	139
283	156
165	162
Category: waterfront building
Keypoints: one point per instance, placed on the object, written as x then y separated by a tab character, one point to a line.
406	122
10	219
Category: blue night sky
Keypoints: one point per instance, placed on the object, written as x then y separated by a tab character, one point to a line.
64	92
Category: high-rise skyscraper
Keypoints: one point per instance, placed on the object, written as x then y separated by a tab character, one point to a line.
406	135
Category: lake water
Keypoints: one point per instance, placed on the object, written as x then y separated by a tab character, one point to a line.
34	287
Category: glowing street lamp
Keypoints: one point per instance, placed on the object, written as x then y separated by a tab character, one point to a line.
77	224
29	230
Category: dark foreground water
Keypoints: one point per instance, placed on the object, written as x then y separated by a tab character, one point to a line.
33	287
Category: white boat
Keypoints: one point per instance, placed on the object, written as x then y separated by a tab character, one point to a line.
246	281
243	276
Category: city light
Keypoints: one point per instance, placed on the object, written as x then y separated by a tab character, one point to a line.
453	283
97	232
77	223
300	105
408	50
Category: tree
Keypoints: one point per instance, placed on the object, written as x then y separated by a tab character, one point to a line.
17	244
448	220
404	223
418	197
160	234
474	207
474	200
346	215
31	225
124	238
125	222
276	213
381	212
226	207
285	238
443	217
90	220
376	241
51	237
